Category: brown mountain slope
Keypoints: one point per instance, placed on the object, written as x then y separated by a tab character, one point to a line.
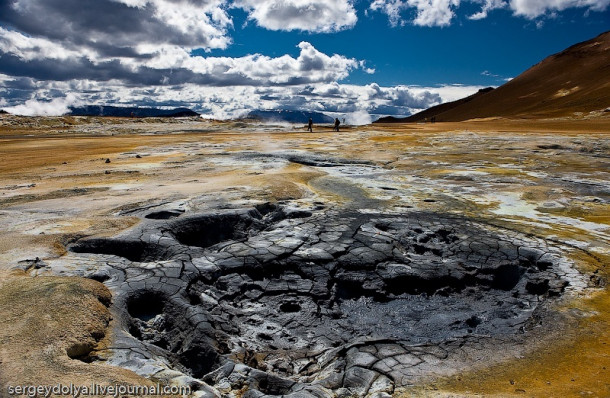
434	111
574	80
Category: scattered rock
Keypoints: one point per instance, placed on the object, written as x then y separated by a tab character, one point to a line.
551	146
26	265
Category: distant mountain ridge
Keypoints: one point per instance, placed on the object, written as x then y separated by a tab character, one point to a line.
289	116
119	111
573	81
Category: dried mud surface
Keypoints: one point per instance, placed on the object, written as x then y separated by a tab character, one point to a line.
257	260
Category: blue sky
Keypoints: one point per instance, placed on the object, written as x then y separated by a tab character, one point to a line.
223	58
501	44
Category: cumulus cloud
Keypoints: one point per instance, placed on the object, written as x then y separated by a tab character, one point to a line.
140	52
392	8
310	15
167	65
442	12
353	102
487	6
59	53
434	12
535	8
112	27
428	12
29	48
150	42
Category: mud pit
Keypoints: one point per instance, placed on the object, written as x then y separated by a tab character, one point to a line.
379	260
317	302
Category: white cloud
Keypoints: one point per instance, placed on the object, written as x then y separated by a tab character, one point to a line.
442	12
171	64
201	19
133	3
434	12
535	8
306	15
30	48
429	12
392	8
150	42
450	92
348	101
310	66
139	52
112	24
487	5
490	74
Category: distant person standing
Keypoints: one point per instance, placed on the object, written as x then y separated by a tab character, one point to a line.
310	125
337	123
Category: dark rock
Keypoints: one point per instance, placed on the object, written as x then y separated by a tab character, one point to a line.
550	146
28	264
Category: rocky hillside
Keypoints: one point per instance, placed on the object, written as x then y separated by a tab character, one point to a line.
574	81
429	113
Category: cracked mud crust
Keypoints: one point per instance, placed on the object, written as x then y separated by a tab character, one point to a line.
405	260
328	302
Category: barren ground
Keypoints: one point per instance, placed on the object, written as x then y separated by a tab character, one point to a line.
69	216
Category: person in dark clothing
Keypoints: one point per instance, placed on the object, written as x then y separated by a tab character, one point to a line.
310	125
337	123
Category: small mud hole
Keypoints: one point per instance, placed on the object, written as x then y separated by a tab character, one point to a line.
209	230
133	250
81	352
290	307
145	305
164	215
157	320
507	276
